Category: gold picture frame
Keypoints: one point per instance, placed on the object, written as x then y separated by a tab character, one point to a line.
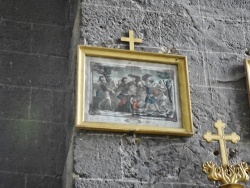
247	69
132	91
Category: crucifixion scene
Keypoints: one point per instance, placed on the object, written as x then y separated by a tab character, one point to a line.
131	91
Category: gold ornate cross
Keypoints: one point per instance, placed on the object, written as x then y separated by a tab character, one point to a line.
131	40
222	138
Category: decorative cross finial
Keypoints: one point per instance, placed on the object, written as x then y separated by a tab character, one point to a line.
222	138
131	40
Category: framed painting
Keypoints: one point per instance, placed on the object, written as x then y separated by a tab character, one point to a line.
247	68
132	91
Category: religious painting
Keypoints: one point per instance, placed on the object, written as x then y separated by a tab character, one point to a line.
247	68
130	91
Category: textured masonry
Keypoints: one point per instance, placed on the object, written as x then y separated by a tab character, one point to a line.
213	35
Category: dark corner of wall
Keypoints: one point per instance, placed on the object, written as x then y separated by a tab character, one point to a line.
73	23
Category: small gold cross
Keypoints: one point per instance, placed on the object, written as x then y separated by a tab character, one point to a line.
131	40
222	138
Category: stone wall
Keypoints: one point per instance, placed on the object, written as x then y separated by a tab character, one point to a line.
34	86
37	68
214	36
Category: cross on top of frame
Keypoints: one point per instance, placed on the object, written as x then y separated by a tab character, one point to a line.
221	138
131	40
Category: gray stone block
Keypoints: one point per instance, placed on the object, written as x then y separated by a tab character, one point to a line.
32	70
51	12
125	3
51	40
15	36
82	183
43	182
210	104
103	27
14	102
12	180
160	185
220	9
202	111
246	27
170	6
224	35
150	28
245	11
97	22
193	186
97	156
164	160
225	70
243	151
102	2
144	24
182	7
148	5
182	31
173	161
32	147
196	67
47	105
147	49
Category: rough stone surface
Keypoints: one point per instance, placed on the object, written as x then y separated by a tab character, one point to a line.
224	35
155	160
196	66
214	37
79	183
223	10
225	70
103	2
101	20
182	31
101	159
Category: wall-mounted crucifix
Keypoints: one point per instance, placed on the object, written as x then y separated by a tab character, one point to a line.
221	138
227	174
131	40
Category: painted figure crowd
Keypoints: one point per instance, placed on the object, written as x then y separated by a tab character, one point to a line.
134	94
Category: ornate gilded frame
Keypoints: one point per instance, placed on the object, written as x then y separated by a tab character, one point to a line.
179	63
247	68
